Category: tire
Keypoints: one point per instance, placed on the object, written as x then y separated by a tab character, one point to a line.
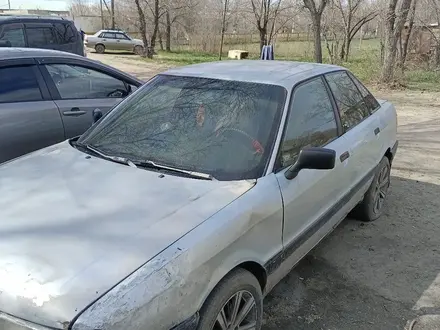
371	207
138	50
239	284
100	49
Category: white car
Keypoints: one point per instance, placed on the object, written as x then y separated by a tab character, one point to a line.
183	206
113	40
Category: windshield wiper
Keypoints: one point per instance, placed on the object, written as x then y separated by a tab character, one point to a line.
116	159
151	164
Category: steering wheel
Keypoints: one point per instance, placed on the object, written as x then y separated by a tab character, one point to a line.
253	144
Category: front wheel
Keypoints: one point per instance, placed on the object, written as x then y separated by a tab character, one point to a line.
236	303
371	207
138	50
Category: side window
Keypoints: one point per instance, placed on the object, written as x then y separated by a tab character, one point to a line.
40	36
109	35
352	107
369	99
121	36
15	35
65	32
311	121
18	84
77	82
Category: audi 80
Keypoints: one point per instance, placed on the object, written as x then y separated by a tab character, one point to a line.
183	206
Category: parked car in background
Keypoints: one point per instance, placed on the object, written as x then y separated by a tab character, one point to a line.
113	40
40	32
47	96
185	204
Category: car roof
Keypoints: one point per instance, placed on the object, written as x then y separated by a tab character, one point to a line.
283	73
8	18
7	53
112	31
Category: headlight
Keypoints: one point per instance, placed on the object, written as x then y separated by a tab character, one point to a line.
11	323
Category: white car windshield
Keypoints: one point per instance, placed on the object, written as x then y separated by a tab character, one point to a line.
220	127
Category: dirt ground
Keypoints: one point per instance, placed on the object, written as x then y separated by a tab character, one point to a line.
379	275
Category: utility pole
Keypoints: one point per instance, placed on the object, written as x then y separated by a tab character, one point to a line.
223	30
113	14
9	4
102	15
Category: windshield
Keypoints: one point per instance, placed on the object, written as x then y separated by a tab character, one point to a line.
219	127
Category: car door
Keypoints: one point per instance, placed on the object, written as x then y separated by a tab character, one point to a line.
78	90
311	199
123	43
41	35
358	126
380	125
29	120
14	33
109	40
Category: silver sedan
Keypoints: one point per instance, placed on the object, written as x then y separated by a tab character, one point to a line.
184	205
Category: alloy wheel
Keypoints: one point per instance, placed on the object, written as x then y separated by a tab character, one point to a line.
239	313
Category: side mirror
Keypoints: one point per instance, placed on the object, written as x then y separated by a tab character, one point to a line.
97	114
313	159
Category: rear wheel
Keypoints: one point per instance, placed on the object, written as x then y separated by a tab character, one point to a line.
236	303
371	207
138	50
100	49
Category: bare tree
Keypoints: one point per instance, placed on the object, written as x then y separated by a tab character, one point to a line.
223	29
143	30
265	12
316	15
394	23
354	18
403	42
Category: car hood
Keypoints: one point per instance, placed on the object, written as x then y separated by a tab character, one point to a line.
72	226
138	42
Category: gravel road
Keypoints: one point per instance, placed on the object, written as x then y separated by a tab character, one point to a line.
379	275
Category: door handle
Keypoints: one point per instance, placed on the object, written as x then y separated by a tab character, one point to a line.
376	130
74	112
344	156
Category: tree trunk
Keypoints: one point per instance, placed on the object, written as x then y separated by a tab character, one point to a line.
113	14
168	32
393	31
405	41
317	36
156	26
263	38
160	41
342	52
222	37
347	48
143	30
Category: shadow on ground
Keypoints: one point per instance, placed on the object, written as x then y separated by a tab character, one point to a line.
367	275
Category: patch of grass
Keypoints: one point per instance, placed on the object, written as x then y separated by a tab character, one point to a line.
423	80
364	60
183	57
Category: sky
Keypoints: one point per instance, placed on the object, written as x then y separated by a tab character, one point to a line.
34	4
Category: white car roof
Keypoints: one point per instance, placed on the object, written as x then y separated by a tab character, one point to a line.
283	73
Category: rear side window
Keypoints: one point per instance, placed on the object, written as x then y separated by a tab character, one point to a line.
18	84
15	35
108	35
65	32
349	100
369	99
40	36
311	121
